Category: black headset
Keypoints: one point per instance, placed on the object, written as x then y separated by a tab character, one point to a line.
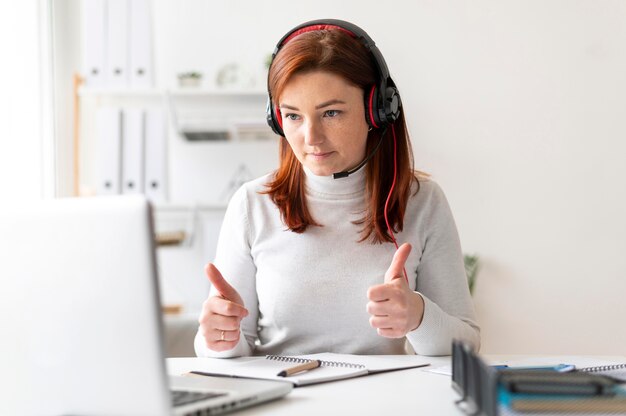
382	102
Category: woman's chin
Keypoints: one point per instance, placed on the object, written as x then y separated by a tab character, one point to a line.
320	170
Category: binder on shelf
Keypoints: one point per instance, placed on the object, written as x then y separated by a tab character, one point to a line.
109	152
132	151
117	29
94	41
155	155
141	72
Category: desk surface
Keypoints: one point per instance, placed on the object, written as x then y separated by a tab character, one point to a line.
416	391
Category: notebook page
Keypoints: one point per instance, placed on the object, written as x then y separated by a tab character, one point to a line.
263	368
373	363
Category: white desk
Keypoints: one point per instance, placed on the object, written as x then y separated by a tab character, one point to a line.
407	392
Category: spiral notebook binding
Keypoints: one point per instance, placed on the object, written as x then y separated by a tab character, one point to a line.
599	368
324	363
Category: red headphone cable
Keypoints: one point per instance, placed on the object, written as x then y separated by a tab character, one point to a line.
393	184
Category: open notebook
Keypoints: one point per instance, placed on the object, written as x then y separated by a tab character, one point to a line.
333	367
614	371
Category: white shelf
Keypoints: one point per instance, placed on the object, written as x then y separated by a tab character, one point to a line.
85	91
178	207
216	91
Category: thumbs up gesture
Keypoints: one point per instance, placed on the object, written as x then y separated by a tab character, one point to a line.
394	308
221	315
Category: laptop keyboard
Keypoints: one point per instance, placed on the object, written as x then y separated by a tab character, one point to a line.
183	397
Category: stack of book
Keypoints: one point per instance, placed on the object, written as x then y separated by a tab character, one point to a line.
571	392
559	389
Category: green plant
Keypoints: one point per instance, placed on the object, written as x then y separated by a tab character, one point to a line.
191	74
471	268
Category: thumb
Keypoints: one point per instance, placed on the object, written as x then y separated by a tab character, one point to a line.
221	285
396	269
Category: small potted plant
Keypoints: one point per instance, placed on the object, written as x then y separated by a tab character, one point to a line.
189	79
471	268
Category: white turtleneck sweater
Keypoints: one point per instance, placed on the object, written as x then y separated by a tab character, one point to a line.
307	293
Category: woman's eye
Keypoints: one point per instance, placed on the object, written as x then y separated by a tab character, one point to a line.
291	116
332	113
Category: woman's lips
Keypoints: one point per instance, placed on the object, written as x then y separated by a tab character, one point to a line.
320	155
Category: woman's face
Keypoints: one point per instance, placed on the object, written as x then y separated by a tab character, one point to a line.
324	121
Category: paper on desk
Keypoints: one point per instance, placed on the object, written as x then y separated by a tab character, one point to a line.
445	370
580	362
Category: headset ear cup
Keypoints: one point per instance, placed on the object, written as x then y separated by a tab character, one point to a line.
274	118
392	104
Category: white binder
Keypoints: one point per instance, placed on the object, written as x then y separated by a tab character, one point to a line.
117	43
132	151
108	150
155	156
94	41
140	44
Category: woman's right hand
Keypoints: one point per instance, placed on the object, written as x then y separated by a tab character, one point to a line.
222	314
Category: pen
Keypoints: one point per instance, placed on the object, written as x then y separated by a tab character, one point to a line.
299	368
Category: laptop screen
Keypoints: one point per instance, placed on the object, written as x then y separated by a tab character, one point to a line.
79	303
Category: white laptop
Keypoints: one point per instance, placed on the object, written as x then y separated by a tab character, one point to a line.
80	322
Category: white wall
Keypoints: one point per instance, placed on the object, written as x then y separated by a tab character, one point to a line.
26	145
516	108
66	61
519	114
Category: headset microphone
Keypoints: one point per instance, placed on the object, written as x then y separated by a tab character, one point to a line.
346	173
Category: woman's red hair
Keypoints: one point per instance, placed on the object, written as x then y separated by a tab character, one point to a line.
338	53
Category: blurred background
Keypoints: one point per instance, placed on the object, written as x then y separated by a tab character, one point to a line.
516	108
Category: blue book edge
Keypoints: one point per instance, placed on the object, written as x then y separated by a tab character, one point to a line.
505	397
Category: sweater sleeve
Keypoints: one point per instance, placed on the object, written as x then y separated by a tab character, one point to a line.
442	283
235	262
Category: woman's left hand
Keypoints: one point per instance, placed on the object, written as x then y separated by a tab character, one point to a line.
394	308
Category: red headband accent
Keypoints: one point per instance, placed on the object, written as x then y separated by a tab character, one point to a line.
371	106
314	28
279	116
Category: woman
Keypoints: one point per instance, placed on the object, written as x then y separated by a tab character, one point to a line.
307	259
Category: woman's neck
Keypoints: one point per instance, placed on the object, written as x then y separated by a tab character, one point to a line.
354	183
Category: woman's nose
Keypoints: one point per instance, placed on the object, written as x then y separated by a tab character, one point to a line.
313	134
